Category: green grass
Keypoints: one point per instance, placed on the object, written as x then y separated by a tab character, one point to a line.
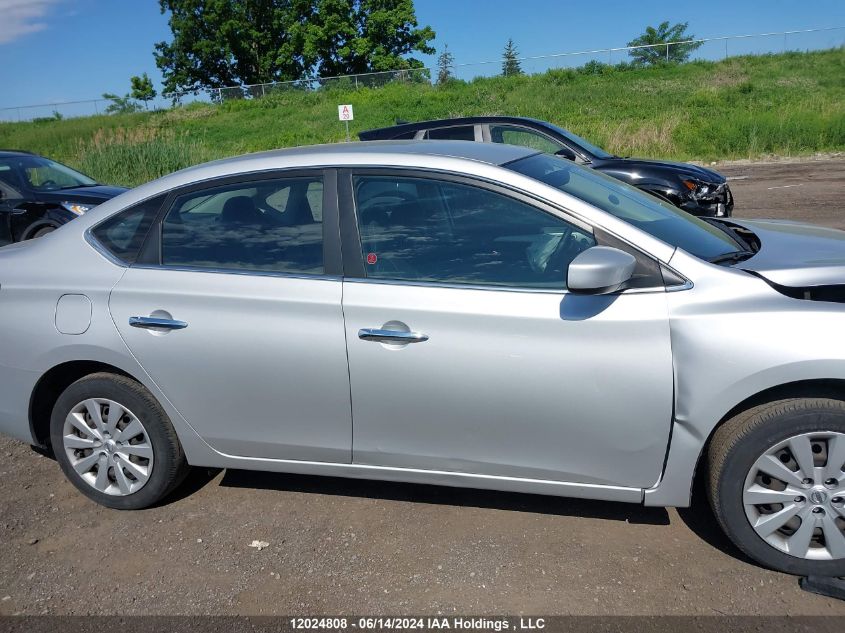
745	107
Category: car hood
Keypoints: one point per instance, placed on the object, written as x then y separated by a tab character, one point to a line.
91	195
648	165
796	254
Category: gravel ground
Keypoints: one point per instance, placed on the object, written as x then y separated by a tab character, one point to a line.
353	547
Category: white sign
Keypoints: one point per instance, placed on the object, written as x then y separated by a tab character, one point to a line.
344	112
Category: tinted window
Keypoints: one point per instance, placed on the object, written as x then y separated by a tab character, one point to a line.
123	234
523	137
595	150
9	174
426	230
266	225
457	133
41	174
663	221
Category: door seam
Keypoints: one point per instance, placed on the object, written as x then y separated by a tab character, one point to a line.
348	373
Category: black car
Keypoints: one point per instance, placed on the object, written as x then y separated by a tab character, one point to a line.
699	191
38	195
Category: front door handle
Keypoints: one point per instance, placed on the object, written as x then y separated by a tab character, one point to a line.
156	323
391	336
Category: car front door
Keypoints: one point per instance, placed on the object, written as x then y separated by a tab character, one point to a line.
234	310
467	354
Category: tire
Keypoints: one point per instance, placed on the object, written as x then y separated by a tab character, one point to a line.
737	460
42	231
151	462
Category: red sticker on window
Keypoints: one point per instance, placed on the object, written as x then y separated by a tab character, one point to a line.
372	258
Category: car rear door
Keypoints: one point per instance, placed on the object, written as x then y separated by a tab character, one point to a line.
467	354
234	310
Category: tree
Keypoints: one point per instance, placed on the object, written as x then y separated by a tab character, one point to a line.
142	89
445	65
663	34
218	43
120	105
347	37
510	60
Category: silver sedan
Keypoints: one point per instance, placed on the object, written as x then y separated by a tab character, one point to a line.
453	313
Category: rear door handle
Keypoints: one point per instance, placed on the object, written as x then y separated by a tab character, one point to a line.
156	323
391	336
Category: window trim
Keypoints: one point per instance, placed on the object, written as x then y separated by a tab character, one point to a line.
354	268
150	255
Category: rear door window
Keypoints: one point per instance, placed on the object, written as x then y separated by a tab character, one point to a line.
454	133
266	225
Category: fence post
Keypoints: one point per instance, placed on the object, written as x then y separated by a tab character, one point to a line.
263	93
356	82
610	57
667	52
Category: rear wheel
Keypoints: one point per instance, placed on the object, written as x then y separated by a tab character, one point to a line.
777	486
43	231
115	443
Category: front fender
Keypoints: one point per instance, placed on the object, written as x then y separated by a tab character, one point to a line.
690	435
733	338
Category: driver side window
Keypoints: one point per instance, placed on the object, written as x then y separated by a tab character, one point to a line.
418	229
266	225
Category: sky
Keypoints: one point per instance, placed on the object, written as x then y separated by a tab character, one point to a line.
68	50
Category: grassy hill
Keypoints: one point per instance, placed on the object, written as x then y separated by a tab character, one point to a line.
743	107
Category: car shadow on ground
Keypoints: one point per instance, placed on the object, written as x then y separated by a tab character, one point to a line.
443	495
698	517
700	520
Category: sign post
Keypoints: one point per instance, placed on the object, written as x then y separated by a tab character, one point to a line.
344	113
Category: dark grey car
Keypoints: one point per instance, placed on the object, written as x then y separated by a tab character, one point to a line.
697	190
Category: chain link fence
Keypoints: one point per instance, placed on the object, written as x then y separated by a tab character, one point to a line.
712	48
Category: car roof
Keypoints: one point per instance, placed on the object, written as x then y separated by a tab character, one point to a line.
467	120
372	153
15	152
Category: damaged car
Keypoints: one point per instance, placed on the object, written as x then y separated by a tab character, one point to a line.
38	195
488	315
697	190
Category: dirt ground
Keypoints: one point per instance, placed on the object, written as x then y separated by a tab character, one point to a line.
351	547
810	191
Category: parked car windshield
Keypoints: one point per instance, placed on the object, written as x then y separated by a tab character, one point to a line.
43	174
596	151
663	221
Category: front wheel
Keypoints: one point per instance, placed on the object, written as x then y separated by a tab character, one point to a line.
115	443
777	486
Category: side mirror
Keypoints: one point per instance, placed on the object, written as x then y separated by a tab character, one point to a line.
600	270
565	152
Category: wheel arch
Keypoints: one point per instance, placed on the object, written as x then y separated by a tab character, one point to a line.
33	228
51	385
688	445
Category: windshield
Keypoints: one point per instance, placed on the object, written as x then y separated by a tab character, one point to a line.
663	221
42	174
596	151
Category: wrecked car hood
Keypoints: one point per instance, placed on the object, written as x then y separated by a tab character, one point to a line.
796	254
